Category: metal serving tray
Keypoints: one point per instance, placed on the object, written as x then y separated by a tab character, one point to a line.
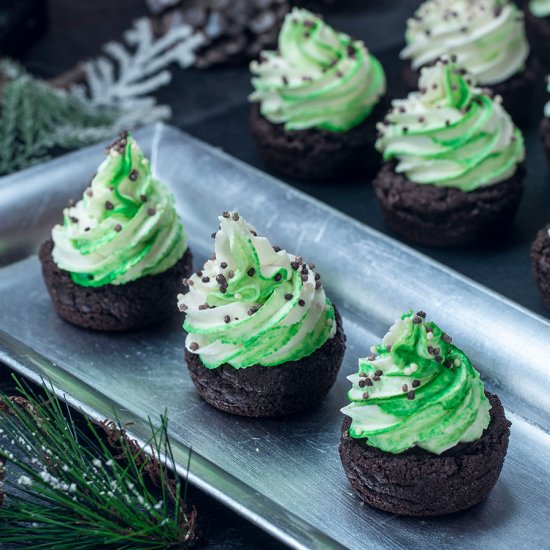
284	475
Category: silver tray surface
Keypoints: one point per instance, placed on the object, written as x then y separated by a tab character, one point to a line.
284	475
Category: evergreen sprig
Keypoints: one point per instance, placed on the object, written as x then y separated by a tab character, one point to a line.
79	488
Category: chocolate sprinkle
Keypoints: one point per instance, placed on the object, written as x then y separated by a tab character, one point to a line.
378	373
405	388
301	303
277	277
143	198
288	297
225	214
206	279
134	175
235	217
108	205
415	383
410	395
151	211
251	272
368	382
193	346
366	395
223	265
226	319
118	228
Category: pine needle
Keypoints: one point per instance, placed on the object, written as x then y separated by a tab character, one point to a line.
73	491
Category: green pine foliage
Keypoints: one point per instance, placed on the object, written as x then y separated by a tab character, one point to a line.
35	119
85	486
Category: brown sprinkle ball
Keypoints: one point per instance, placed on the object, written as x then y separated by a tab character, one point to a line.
362	383
206	279
410	395
193	346
235	217
376	378
223	265
143	198
278	277
202	307
417	320
447	338
182	307
438	358
366	395
368	381
252	310
73	219
405	388
288	297
301	303
415	383
221	280
225	214
118	228
108	205
230	274
371	357
134	175
421	314
213	235
151	211
226	319
363	374
89	192
378	373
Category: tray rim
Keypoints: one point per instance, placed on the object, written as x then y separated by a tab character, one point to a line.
285	526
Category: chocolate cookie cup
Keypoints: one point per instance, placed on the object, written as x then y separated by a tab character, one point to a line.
256	391
259	327
318	101
440	216
540	257
117	261
318	154
453	172
537	22
422	437
487	38
138	304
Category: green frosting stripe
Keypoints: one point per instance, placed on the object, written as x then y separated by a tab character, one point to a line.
450	133
540	8
318	78
252	304
124	227
417	389
486	36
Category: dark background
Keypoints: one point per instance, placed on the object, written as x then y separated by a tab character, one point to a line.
212	105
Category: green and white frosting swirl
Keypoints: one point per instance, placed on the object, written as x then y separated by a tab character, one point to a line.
451	133
416	389
124	227
487	36
318	78
540	8
253	304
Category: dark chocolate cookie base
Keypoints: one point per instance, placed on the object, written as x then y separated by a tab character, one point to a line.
538	32
442	216
513	91
281	390
419	483
318	154
545	135
540	256
137	304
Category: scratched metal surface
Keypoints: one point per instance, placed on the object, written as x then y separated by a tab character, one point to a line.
284	475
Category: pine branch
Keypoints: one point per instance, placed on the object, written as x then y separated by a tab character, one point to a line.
74	491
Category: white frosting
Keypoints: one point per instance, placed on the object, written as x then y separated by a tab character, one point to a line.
487	36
